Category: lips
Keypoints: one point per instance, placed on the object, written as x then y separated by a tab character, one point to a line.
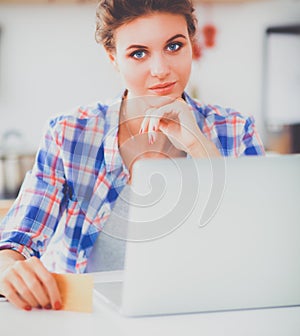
163	88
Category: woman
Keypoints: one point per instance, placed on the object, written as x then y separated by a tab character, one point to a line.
85	159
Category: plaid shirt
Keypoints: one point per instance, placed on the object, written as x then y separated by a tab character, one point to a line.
78	174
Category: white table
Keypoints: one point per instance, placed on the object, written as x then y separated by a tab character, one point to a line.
106	322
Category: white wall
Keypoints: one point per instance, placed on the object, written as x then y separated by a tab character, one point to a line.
50	63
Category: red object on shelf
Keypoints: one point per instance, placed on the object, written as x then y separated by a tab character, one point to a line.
197	45
209	32
197	50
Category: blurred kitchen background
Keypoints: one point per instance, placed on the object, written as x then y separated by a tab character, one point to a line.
248	58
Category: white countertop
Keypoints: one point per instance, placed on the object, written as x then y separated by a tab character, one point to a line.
104	321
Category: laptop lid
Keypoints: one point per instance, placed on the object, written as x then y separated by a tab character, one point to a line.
209	235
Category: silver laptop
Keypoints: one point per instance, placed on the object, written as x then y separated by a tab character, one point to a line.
210	235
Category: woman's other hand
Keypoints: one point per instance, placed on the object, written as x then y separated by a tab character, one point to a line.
27	283
177	121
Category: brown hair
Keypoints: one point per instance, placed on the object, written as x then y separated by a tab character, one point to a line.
111	14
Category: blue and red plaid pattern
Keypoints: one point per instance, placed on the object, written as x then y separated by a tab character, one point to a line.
68	195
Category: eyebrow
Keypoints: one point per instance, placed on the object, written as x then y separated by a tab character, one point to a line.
138	46
175	37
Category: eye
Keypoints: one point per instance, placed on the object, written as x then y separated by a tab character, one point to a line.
138	54
174	46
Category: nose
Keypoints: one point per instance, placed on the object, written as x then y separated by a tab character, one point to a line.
159	66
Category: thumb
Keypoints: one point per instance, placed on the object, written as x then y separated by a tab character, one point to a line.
163	129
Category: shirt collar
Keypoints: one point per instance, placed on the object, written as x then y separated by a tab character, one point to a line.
112	157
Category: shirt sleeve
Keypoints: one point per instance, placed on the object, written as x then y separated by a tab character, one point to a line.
33	218
234	134
251	143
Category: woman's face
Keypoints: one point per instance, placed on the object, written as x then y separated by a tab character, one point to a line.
154	55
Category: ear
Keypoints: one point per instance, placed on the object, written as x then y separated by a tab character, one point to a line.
113	59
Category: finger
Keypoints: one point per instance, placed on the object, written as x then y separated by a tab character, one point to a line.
153	128
163	127
144	125
29	274
169	112
154	116
13	297
169	118
23	291
49	284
